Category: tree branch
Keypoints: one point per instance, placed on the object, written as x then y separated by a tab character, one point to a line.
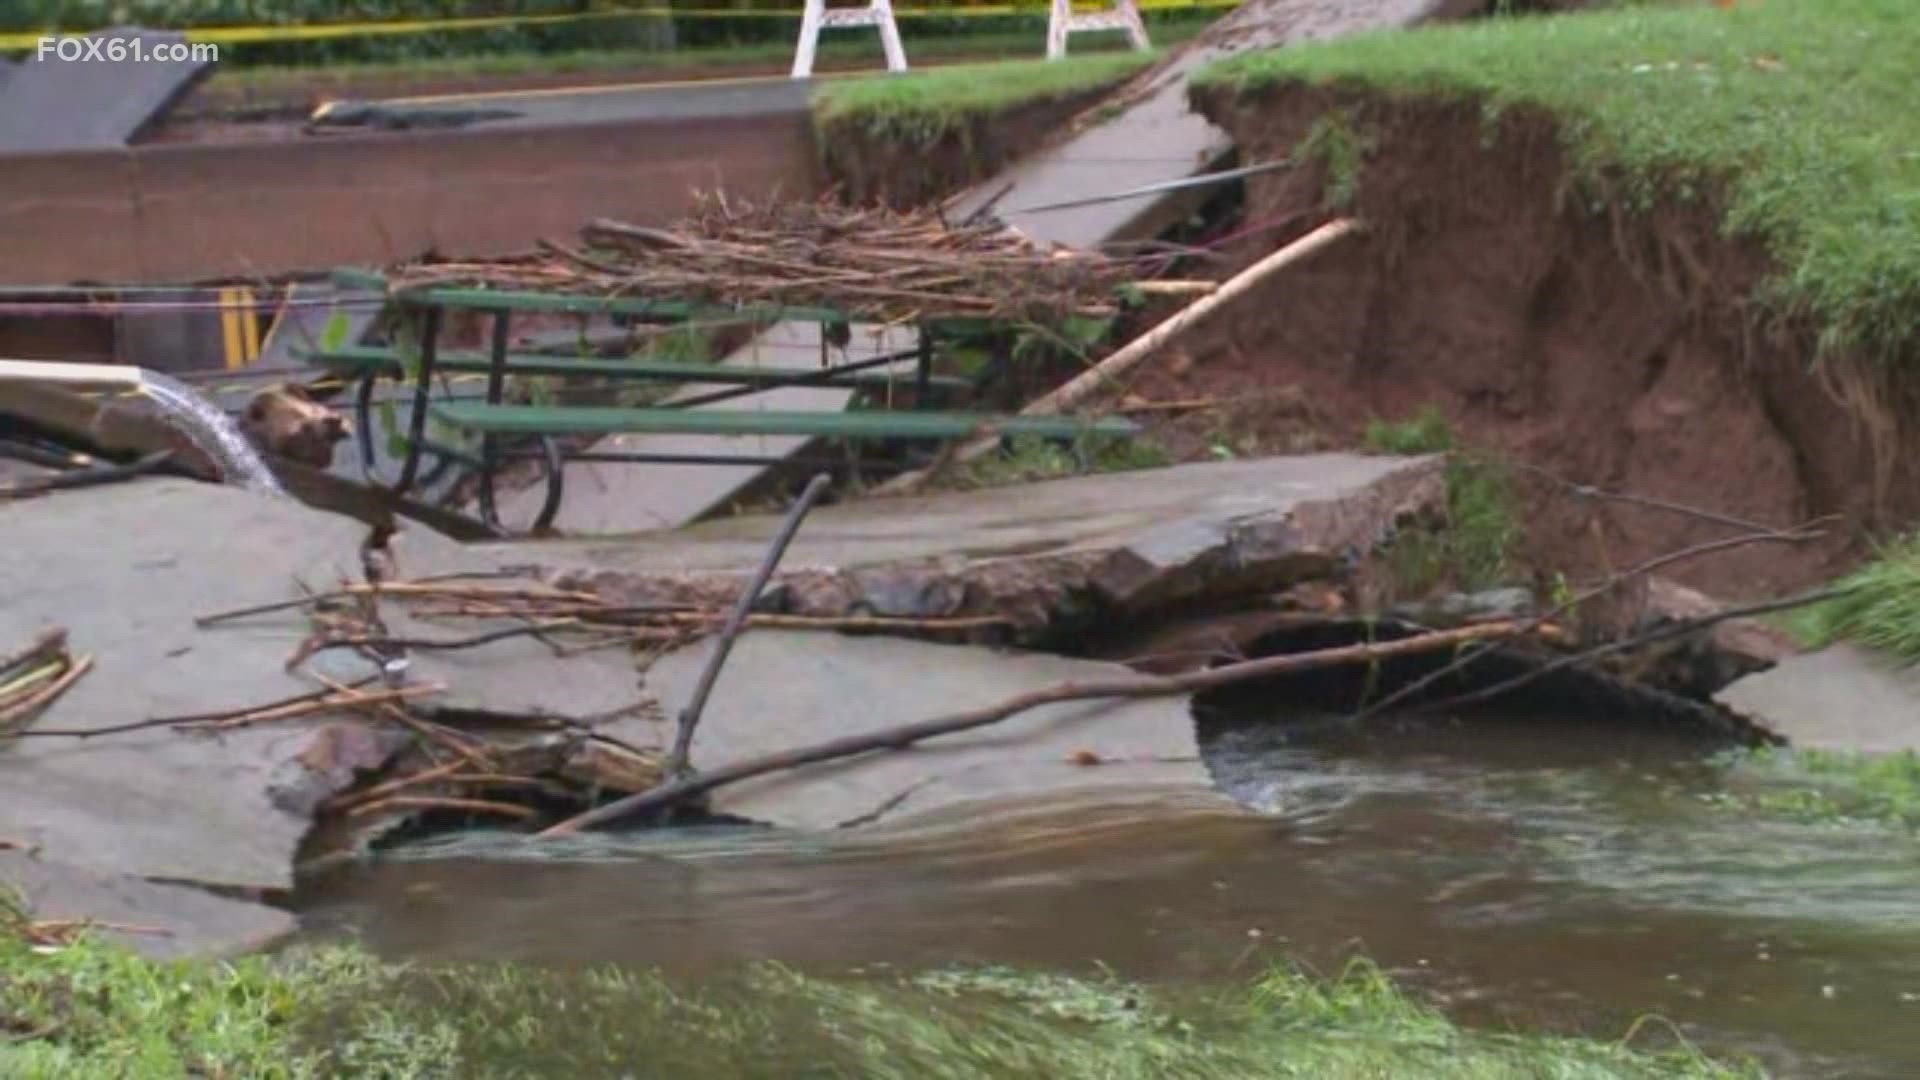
1140	686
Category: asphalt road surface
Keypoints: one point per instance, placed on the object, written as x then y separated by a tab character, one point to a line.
707	100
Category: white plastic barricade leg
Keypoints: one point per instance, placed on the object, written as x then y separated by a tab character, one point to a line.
818	16
1123	15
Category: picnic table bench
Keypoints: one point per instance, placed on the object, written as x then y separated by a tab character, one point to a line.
497	422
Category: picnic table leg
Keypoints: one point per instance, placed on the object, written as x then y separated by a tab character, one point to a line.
422	390
923	368
496	389
556	473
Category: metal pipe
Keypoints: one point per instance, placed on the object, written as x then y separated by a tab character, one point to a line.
59	371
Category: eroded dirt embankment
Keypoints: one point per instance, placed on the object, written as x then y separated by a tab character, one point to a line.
1613	348
902	171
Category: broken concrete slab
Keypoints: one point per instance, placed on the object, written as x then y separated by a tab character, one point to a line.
517	674
1840	698
126	569
784	689
1048	555
190	923
623	497
72	99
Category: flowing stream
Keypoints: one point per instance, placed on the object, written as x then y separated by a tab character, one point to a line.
1520	872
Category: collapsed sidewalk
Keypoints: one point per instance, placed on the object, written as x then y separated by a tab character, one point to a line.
227	804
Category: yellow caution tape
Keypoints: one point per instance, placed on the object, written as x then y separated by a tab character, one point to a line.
256	35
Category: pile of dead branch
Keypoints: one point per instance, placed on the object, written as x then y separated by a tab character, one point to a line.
875	264
567	621
465	764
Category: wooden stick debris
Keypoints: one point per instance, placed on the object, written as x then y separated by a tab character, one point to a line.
87	477
678	759
849	622
63	931
873	264
46	645
422	587
1673	630
27	708
384	702
534	629
1125	359
343	696
379	791
1103	374
428	802
1468	656
679	789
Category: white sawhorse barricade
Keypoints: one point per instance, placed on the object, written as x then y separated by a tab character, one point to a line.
1123	15
819	17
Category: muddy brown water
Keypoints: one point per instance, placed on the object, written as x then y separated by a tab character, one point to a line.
1521	873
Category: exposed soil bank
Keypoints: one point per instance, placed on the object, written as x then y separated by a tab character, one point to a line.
889	169
1612	348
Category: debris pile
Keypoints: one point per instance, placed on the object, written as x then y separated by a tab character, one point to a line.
874	264
412	755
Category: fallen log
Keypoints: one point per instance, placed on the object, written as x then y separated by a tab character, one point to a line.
1129	356
679	789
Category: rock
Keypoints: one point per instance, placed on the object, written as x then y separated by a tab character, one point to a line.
781	690
1749	644
1461	609
1054	557
338	754
1700	664
1840	698
125	569
286	422
611	768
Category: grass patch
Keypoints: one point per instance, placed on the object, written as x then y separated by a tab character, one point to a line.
1341	150
1471	547
94	1011
920	109
1427	432
773	56
1882	612
1825	787
1804	113
1029	458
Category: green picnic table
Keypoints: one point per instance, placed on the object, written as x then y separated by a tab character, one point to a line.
494	419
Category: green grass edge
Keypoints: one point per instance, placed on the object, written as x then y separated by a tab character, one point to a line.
1799	118
919	108
90	1009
